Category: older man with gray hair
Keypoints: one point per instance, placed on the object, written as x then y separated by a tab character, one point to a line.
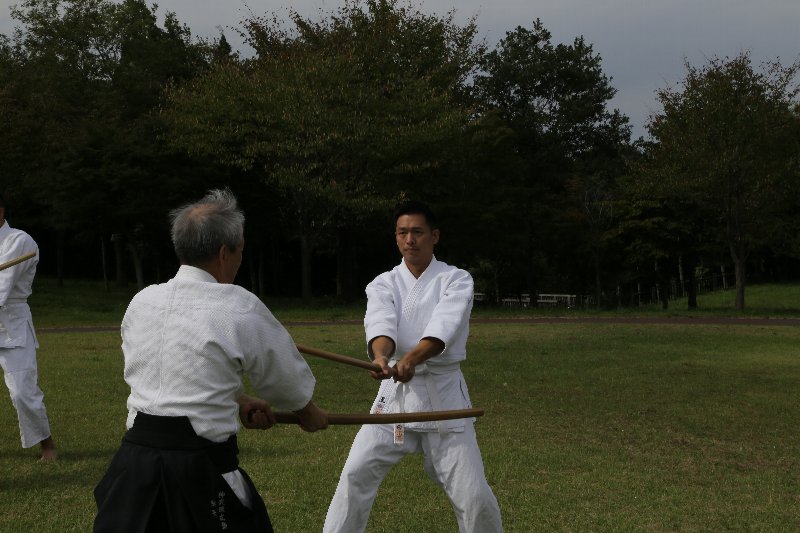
187	344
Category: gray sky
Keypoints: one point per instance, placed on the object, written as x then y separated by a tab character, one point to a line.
643	44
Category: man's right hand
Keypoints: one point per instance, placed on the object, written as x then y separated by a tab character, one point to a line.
255	413
381	349
312	418
386	371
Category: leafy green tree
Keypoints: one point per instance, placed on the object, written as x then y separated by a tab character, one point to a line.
724	154
87	75
341	116
554	98
11	154
52	86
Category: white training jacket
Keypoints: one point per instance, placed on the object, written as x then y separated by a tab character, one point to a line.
187	344
16	284
407	309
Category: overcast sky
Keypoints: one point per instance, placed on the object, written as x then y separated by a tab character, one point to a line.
642	43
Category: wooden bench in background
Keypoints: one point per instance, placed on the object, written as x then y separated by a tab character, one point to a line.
556	300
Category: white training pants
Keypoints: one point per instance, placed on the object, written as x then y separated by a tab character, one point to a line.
452	460
21	376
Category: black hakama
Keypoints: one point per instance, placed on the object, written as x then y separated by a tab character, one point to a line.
164	478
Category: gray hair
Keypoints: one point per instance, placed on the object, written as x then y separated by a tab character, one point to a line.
200	228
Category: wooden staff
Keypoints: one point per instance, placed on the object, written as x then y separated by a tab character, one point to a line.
344	419
20	259
338	358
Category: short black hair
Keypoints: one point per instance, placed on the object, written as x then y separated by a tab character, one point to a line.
2	200
412	207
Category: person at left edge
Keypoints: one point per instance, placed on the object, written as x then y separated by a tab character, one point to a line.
18	342
187	344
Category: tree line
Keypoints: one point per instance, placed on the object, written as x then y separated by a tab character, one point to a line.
111	119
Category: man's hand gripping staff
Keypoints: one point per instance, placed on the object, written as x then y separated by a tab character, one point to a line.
255	413
377	370
382	348
406	366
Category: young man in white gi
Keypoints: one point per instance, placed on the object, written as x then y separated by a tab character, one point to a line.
187	344
18	342
417	324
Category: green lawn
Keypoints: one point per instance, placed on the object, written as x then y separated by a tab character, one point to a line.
588	427
83	303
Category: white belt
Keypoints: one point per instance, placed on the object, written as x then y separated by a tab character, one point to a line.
425	368
425	371
438	369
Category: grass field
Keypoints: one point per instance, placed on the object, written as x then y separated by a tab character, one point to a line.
82	303
588	427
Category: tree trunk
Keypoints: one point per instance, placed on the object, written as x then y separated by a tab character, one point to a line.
305	267
137	266
739	255
598	291
261	276
496	285
345	265
60	257
103	259
662	291
119	260
740	267
275	268
690	268
252	268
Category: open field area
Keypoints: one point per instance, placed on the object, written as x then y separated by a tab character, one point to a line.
588	427
82	303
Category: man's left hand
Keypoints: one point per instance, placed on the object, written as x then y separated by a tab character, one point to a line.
404	370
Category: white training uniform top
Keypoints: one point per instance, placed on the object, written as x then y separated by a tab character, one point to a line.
187	344
407	309
16	284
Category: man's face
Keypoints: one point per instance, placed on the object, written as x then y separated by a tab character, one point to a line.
415	239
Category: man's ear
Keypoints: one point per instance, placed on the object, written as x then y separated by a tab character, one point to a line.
219	259
435	234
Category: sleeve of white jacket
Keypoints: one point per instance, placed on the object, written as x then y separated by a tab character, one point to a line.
381	316
452	312
277	371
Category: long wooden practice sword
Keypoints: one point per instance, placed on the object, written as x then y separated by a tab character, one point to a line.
17	260
352	361
343	419
391	418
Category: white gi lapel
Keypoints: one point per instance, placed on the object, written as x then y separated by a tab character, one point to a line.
414	288
416	312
